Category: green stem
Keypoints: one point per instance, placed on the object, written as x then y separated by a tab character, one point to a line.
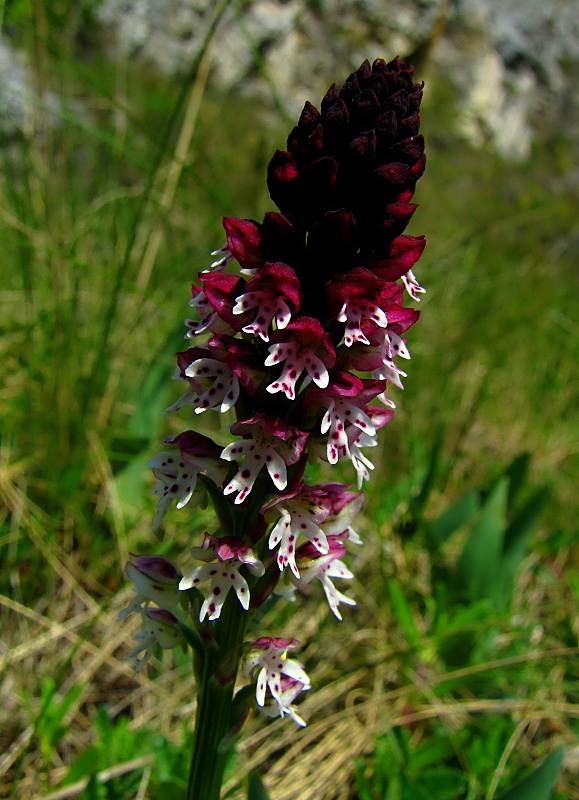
215	719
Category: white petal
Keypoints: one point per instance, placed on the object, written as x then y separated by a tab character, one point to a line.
241	589
317	370
293	669
282	313
260	687
327	418
277	469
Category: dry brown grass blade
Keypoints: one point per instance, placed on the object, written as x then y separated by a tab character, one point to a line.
56	630
104	776
317	763
16	749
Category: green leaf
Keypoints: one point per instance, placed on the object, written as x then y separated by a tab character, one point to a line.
362	783
515	543
92	790
152	395
479	562
453	518
418	503
519	529
539	784
86	764
403	613
517	473
255	788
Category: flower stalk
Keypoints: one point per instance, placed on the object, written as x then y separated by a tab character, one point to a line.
297	328
215	722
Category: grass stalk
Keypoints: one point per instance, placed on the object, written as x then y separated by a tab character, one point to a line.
122	271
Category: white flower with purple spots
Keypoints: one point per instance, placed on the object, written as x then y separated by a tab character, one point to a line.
176	480
412	286
230	554
308	349
312	564
221	382
342	414
353	312
272	681
205	312
214	304
177	474
313	513
360	297
268	308
301	514
273	444
273	295
348	420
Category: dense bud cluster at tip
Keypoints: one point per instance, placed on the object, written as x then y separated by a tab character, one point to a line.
298	328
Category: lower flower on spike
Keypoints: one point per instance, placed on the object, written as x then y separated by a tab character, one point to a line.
313	564
161	628
231	554
290	689
155	579
284	678
177	475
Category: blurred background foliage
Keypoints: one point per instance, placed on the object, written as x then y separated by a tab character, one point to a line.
456	674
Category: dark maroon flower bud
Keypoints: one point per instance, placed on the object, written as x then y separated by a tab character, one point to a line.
360	154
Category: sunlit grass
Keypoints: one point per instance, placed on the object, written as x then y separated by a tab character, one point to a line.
88	338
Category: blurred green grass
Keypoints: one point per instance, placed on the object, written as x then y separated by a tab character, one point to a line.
88	338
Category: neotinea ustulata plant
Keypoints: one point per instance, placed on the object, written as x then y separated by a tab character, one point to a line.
298	327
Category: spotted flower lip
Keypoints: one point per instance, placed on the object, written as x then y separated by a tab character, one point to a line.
269	442
214	304
298	517
270	654
176	480
345	403
177	475
304	346
290	689
324	567
212	383
230	554
361	297
313	513
242	358
272	295
217	372
384	344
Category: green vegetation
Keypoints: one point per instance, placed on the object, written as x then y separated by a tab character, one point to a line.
456	674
